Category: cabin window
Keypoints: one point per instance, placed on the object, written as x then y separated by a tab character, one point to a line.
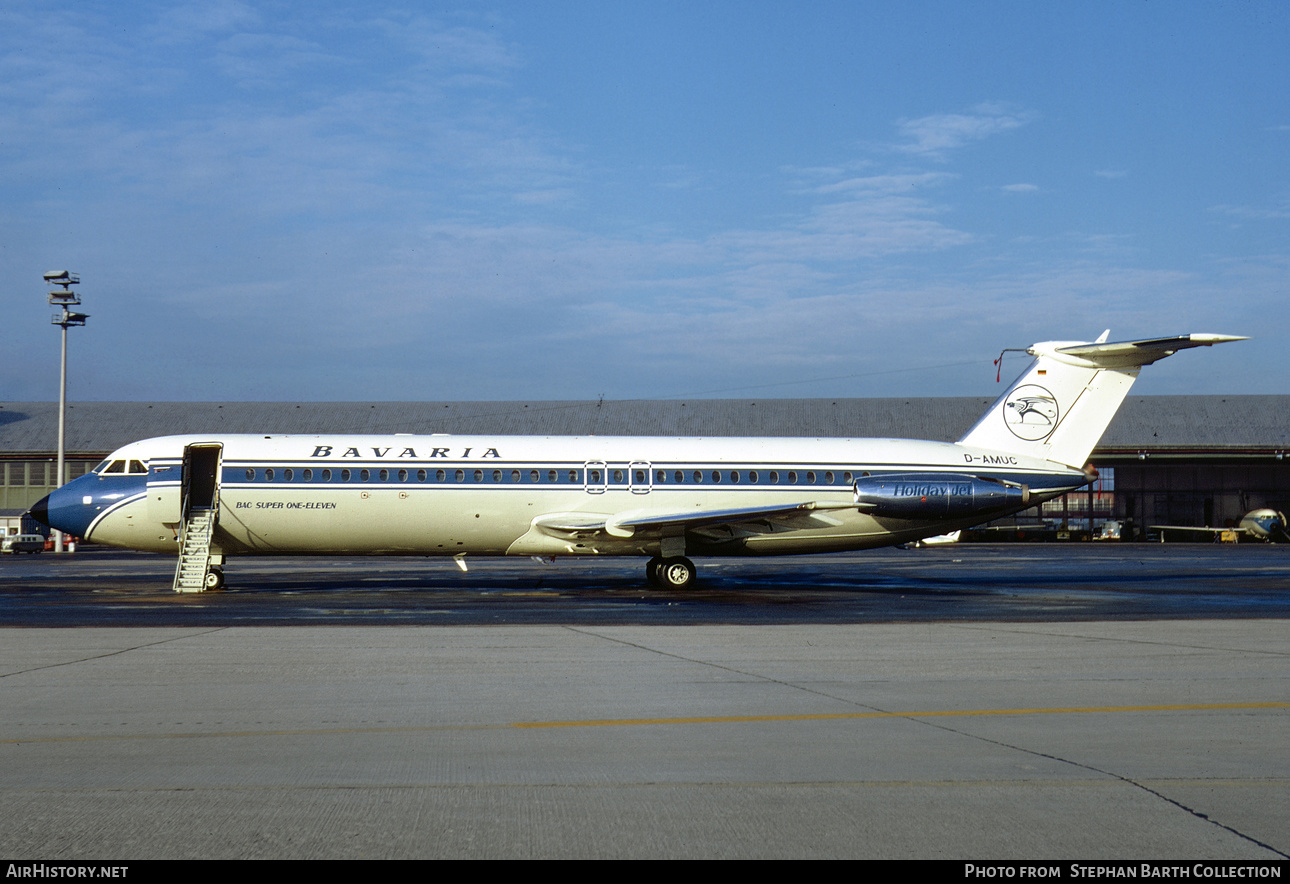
550	475
846	477
618	477
344	475
752	476
734	476
716	475
479	475
698	476
326	475
440	476
573	477
403	475
640	477
422	475
287	474
792	477
810	477
679	477
595	477
774	477
364	475
250	475
534	476
828	478
268	474
515	476
461	475
497	475
307	475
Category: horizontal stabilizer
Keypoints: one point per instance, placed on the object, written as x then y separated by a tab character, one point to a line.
1140	353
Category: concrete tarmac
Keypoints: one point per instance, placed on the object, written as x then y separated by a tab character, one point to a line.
1076	739
965	582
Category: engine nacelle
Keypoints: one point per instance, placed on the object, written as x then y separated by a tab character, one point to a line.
919	496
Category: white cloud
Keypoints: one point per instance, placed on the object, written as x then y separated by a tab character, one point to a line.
189	21
1252	213
932	136
449	47
1021	188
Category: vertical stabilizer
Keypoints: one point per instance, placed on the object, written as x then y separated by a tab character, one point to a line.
1063	402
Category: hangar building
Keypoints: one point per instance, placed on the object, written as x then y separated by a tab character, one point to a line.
1177	460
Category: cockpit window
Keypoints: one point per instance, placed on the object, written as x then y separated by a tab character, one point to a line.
122	467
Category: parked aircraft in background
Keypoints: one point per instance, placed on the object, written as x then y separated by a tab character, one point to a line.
211	497
938	539
1263	524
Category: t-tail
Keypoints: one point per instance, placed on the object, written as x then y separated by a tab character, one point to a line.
1061	405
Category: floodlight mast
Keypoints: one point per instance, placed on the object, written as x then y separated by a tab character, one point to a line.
64	298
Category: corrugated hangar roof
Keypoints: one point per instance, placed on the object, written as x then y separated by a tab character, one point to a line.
1144	423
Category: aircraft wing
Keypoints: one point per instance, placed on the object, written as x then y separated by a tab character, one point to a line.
1192	528
1219	534
757	519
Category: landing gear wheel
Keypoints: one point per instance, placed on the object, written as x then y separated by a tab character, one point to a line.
677	573
214	580
651	571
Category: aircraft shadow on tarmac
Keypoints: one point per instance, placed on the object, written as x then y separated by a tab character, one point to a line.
969	583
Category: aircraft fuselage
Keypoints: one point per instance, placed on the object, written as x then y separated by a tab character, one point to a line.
491	495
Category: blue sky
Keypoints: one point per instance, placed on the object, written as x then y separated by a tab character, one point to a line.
364	201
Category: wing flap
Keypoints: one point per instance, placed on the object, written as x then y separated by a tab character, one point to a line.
653	522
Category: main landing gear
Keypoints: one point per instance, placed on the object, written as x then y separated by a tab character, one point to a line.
672	573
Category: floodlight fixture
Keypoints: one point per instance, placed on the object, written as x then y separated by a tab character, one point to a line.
64	298
68	319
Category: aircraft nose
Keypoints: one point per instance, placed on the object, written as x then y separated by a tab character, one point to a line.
68	509
40	511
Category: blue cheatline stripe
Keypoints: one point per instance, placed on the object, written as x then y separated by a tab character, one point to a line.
234	475
113	508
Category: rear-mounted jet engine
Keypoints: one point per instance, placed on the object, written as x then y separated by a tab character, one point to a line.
917	496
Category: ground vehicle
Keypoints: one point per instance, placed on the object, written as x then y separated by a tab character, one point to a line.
23	543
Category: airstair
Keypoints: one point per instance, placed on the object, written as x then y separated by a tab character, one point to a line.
199	567
195	550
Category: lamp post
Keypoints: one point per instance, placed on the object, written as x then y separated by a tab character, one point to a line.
64	298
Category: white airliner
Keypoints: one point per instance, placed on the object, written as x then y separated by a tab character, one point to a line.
1264	524
210	497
